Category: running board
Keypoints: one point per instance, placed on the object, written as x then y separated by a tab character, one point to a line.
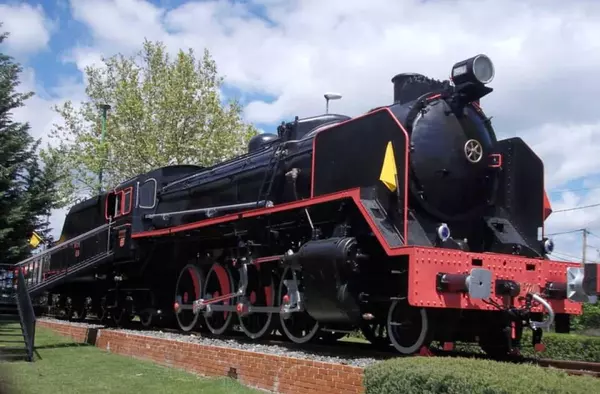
380	218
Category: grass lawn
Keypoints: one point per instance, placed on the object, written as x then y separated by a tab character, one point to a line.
63	366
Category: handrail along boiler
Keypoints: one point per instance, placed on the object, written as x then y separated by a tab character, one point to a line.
413	222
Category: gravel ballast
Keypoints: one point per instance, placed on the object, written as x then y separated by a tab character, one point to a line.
275	350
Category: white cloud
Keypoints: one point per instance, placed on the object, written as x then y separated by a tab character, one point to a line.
37	110
569	149
125	22
356	47
29	30
546	59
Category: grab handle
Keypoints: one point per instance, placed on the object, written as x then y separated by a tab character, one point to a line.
549	320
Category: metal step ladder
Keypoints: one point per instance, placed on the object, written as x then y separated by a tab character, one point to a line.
266	185
89	250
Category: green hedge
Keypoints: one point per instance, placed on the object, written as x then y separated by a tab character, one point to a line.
462	375
565	347
558	346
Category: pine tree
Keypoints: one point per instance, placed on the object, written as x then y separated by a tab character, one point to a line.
27	191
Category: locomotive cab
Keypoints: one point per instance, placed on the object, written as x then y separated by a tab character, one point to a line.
118	207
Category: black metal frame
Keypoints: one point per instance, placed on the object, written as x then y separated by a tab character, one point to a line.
26	314
16	290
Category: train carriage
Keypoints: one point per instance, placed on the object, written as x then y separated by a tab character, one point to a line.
413	222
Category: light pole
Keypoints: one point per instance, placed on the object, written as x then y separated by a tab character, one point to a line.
104	108
330	96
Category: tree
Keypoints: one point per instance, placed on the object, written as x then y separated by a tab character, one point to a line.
163	111
27	191
589	321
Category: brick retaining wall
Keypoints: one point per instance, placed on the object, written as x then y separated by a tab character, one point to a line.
265	371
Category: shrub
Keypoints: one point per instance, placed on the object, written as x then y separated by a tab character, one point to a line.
565	347
558	346
589	320
462	375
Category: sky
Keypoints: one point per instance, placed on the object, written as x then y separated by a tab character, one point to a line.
279	58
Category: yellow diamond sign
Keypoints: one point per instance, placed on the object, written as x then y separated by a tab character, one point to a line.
35	240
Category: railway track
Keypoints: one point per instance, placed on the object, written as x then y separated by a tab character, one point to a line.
350	350
572	367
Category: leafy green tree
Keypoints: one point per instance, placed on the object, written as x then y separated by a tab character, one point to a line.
163	111
589	320
27	191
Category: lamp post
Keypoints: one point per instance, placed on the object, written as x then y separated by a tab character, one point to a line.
330	96
104	108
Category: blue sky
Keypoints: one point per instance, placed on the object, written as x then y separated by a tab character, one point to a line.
279	57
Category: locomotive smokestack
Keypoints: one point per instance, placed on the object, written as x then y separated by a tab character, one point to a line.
411	86
400	81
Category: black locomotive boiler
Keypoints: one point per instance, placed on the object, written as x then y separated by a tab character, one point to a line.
413	222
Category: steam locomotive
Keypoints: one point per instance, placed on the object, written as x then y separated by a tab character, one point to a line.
412	223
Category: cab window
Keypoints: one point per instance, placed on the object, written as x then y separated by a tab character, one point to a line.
148	194
118	203
126	201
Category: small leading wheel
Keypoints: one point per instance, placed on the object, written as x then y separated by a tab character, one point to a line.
122	317
407	327
299	327
187	290
259	293
103	312
68	309
146	318
148	315
219	282
122	314
376	333
80	307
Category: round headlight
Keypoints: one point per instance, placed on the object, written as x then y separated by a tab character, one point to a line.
443	231
483	69
548	246
477	69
